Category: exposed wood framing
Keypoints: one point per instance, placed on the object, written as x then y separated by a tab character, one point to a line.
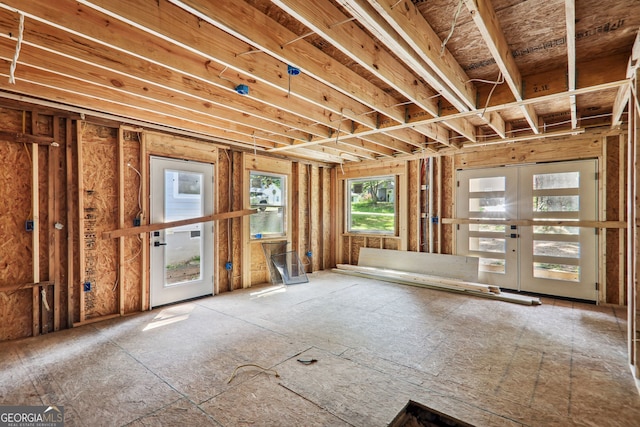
13	288
633	238
131	231
121	248
55	192
71	224
487	22
35	204
81	223
570	14
602	216
621	216
144	220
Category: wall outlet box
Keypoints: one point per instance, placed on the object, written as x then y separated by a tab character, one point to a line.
28	225
228	266
136	221
87	286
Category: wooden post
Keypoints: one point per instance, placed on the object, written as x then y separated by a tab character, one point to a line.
121	248
632	246
335	218
81	227
602	216
634	295
35	203
53	217
402	210
144	182
70	223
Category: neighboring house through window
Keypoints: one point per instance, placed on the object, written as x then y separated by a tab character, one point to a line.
267	193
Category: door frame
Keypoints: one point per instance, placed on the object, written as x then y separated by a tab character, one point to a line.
517	207
207	287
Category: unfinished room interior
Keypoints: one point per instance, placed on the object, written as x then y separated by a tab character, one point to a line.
403	212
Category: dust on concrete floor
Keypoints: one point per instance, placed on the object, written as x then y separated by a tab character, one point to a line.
377	345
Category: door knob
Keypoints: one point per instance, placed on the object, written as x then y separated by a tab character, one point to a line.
159	244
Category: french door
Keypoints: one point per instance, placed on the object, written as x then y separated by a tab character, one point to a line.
181	257
517	250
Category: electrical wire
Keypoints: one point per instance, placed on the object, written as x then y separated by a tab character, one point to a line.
14	63
139	188
453	27
495	85
251	364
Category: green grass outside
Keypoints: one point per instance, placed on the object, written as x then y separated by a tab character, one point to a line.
362	221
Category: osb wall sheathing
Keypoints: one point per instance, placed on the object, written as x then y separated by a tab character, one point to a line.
16	254
616	163
100	207
15	245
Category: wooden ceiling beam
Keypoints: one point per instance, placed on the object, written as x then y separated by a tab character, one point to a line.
137	92
66	46
344	148
366	146
487	22
418	122
315	153
251	26
419	41
196	64
623	95
361	48
51	86
385	30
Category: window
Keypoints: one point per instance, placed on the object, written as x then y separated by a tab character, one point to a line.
267	193
371	205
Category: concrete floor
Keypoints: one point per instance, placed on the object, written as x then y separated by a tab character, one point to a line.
377	345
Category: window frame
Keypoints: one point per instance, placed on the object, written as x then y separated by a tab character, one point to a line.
348	226
282	207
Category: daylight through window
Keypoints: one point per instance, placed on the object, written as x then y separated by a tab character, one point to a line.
267	194
372	205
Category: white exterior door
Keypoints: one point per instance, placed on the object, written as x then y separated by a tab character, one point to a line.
181	257
558	260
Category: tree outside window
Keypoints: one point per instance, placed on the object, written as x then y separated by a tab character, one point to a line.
267	194
371	205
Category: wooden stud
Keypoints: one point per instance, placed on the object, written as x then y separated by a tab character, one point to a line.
144	220
602	232
621	214
54	240
633	293
120	267
632	246
70	222
570	15
402	210
81	223
336	213
35	203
